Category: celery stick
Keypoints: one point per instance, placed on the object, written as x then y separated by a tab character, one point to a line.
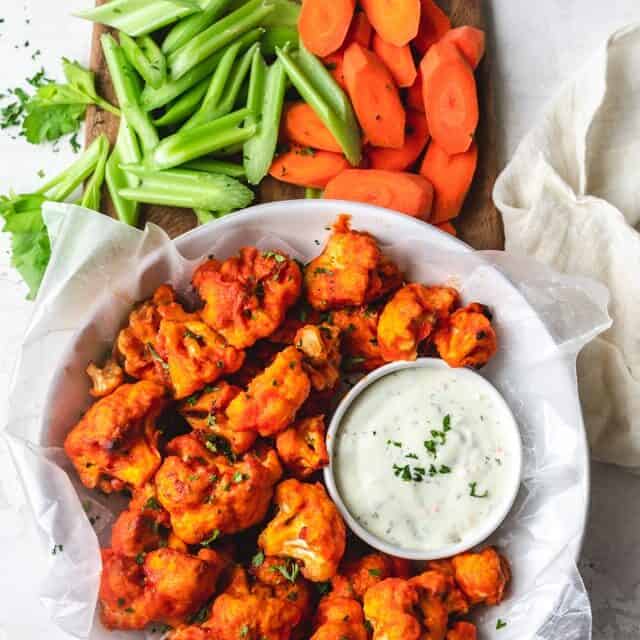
278	37
227	152
186	105
312	194
63	185
125	86
286	13
232	90
93	189
126	151
326	100
191	26
218	82
139	17
155	98
194	143
218	35
190	189
204	216
210	165
259	151
146	58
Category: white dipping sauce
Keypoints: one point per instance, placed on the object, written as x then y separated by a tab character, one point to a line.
424	457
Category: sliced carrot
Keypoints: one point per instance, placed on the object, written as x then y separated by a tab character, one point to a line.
451	177
450	97
335	65
397	21
308	168
470	42
415	99
447	227
302	126
415	140
360	30
399	60
375	98
404	192
434	23
323	25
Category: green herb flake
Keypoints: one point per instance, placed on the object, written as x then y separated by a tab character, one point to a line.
474	493
152	504
375	572
215	534
257	559
500	624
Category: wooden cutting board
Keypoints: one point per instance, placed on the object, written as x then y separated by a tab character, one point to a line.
480	224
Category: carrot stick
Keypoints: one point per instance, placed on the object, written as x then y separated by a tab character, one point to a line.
416	138
335	65
434	23
375	97
396	21
360	30
308	168
447	227
450	97
302	126
470	42
399	60
323	25
414	98
404	192
451	177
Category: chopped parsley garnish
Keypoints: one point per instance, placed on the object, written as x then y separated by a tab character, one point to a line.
57	548
500	624
474	493
244	630
446	423
276	256
215	534
431	447
152	504
413	456
156	356
194	336
408	474
239	477
217	444
394	443
258	559
200	616
289	570
375	572
140	558
444	469
321	270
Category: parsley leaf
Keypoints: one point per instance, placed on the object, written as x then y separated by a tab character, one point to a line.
473	491
289	570
500	624
258	559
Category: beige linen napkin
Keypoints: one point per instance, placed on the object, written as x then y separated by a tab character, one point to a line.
570	198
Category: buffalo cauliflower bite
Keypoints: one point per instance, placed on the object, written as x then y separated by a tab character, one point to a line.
106	379
454	598
207	494
142	526
162	586
137	343
432	588
410	317
321	348
389	607
246	297
302	448
360	348
462	631
114	444
308	528
482	576
273	397
204	411
467	339
195	354
357	576
351	270
339	619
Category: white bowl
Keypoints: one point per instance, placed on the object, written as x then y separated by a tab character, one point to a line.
477	535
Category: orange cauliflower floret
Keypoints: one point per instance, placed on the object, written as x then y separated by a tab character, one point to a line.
462	631
467	338
195	354
162	586
320	345
389	606
360	348
106	379
114	444
205	413
273	398
207	494
339	619
302	447
410	317
482	576
246	297
351	271
308	528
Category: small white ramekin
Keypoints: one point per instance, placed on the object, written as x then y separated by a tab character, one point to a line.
478	535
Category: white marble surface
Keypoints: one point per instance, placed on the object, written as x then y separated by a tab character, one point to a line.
537	45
